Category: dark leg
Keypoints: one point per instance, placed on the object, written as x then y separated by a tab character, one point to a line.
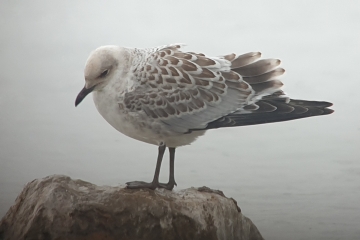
170	185
155	183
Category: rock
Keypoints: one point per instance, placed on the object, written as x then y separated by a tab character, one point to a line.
57	207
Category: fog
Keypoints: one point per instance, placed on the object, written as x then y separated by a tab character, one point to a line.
295	180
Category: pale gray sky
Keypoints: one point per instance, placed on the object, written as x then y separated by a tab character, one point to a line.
295	180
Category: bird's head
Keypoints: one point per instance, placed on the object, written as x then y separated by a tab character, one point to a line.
100	68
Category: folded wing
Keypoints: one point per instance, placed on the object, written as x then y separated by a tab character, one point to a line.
191	91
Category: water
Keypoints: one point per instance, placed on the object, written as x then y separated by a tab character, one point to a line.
295	180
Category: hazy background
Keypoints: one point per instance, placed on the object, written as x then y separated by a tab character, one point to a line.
295	180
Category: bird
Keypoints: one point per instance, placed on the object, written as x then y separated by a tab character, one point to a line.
169	97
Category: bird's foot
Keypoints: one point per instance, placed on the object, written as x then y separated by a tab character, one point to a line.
151	185
169	186
140	184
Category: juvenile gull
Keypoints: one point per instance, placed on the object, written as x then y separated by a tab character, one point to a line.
168	97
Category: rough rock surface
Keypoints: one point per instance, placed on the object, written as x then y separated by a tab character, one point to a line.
57	207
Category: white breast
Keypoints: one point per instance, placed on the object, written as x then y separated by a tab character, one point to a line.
136	125
107	105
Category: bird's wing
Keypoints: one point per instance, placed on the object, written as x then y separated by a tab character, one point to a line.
189	90
272	109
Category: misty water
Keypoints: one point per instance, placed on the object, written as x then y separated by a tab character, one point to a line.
294	180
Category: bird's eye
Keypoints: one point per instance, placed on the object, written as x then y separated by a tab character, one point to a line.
104	73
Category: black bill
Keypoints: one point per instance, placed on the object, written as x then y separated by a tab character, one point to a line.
83	93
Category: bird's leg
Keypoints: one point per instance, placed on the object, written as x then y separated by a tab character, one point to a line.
155	183
170	185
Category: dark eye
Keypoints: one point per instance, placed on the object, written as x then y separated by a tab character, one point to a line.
104	73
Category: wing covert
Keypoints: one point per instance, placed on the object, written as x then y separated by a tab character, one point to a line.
188	90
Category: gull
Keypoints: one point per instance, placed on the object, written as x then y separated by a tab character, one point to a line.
168	97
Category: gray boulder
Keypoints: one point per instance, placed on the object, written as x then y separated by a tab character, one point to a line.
58	207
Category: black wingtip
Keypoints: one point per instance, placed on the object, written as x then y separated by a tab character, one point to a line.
328	111
295	109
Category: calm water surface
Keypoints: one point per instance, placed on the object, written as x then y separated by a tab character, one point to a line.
295	180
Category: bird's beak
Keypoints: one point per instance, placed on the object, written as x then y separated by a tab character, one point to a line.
82	94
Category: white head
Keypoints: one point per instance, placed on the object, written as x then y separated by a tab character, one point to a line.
100	68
